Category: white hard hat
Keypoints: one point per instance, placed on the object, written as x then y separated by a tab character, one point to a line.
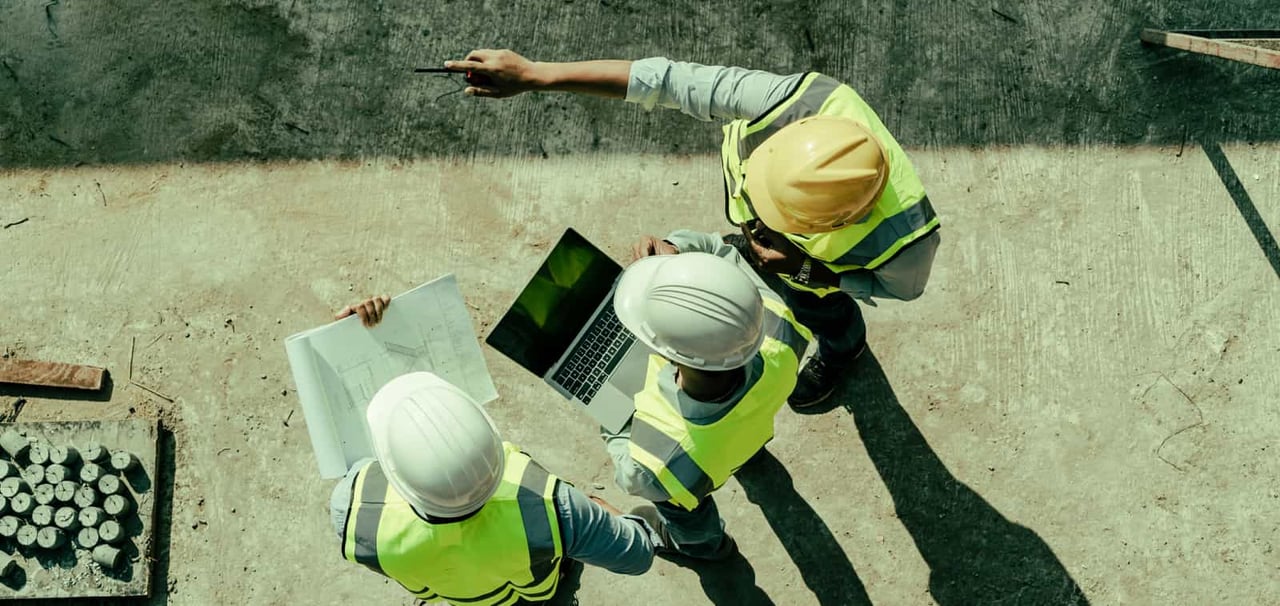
693	308
438	448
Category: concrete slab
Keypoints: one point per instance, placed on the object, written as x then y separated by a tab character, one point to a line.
1078	403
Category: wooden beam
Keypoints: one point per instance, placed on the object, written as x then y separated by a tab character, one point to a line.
1244	53
51	374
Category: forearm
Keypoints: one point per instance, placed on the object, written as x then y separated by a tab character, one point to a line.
604	78
620	544
688	240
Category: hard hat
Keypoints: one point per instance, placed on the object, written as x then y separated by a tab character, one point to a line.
438	448
693	308
816	175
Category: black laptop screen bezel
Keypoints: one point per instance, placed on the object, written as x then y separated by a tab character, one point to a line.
536	340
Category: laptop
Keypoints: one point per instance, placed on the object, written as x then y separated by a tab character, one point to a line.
562	328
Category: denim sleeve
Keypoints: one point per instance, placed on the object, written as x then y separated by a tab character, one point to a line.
340	498
591	535
705	92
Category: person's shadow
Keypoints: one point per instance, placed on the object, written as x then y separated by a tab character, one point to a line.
975	555
823	565
730	582
822	562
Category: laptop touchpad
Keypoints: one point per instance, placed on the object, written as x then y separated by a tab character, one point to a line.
628	377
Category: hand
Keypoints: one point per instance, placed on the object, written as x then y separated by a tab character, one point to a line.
504	73
771	251
370	310
606	505
649	246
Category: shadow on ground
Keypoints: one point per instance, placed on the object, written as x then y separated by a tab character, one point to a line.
974	554
60	393
823	565
731	582
808	541
87	82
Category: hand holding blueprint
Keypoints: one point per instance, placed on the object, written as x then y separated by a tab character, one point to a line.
339	366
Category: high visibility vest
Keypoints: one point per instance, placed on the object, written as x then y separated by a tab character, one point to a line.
690	460
901	215
509	549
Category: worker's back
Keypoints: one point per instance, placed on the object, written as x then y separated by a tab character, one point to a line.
510	546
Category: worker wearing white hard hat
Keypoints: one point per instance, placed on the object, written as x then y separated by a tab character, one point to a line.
825	198
452	512
728	351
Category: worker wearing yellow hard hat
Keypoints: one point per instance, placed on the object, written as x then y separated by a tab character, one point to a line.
826	199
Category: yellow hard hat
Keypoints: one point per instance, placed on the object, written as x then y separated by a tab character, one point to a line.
816	175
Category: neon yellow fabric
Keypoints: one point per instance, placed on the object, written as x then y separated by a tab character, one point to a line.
509	549
691	460
821	95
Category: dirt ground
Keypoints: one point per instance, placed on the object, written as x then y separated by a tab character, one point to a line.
1080	409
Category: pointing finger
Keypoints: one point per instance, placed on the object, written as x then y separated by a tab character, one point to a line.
462	66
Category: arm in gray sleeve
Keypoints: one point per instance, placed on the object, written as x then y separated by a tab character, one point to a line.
591	535
340	498
902	278
687	240
632	477
706	91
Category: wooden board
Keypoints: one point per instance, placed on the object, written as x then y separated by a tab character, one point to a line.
72	573
1221	45
51	374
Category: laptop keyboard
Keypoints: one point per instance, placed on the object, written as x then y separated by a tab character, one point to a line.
596	355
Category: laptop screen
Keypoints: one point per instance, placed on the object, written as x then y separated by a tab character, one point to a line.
556	304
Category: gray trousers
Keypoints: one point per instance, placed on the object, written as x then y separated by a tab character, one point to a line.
696	533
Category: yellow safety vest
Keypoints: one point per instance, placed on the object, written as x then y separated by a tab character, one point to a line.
509	549
901	216
690	460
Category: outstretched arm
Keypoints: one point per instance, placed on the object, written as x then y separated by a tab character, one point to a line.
505	73
704	92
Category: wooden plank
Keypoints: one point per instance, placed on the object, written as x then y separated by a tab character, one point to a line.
1243	53
1232	34
51	374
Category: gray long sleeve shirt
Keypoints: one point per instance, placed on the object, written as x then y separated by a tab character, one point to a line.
707	92
589	533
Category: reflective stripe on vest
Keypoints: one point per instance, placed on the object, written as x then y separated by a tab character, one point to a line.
509	549
690	460
901	215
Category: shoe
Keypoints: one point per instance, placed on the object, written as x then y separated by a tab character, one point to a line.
817	380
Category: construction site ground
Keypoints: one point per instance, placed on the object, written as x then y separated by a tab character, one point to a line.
1082	407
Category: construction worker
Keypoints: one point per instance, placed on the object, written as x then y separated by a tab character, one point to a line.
453	513
728	351
825	197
